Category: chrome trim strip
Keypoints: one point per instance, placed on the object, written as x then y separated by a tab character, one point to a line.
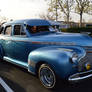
80	76
47	43
16	62
36	42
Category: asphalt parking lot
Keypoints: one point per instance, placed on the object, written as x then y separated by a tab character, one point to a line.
19	80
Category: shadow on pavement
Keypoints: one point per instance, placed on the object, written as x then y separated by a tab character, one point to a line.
77	87
20	80
2	89
14	86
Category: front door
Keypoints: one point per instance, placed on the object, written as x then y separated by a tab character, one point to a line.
19	41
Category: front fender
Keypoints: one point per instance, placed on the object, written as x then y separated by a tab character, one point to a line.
58	57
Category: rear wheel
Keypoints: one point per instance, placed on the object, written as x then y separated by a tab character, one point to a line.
47	76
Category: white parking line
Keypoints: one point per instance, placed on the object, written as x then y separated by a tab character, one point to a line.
6	87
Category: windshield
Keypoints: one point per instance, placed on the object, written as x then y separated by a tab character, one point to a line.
38	29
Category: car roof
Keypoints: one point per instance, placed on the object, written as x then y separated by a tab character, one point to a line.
34	22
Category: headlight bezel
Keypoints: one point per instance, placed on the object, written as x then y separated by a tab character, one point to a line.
74	57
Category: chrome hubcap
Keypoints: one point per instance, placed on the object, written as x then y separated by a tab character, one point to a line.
47	77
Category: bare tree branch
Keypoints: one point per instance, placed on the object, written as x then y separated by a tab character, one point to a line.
83	6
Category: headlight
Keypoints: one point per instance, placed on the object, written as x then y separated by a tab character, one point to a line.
74	57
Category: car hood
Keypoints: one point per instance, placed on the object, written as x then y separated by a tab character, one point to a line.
73	38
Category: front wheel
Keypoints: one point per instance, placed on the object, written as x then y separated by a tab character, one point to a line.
47	76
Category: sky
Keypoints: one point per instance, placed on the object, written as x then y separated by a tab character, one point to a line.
20	9
24	9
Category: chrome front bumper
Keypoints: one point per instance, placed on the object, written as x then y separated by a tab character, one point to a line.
80	76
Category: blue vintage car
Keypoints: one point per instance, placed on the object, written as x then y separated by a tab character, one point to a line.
38	46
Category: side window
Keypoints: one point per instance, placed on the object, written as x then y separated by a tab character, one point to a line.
8	30
18	30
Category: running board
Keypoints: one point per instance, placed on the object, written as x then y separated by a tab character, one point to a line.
16	62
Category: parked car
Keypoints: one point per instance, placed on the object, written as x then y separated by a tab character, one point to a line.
38	46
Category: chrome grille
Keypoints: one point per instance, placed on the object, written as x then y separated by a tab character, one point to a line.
87	58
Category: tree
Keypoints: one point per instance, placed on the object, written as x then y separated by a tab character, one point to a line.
47	16
66	7
57	7
83	6
3	19
53	12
